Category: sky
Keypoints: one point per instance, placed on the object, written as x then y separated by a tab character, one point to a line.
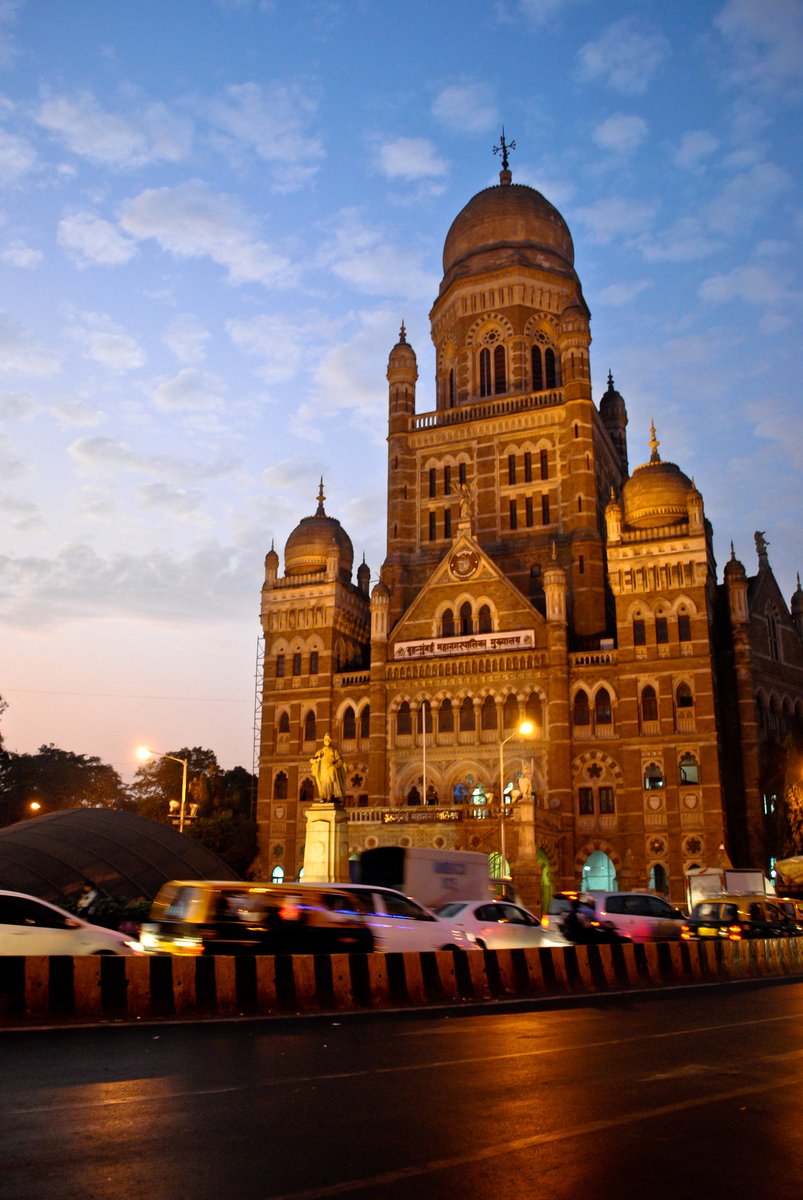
214	217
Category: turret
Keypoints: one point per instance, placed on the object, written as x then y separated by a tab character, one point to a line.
613	411
797	608
402	375
736	584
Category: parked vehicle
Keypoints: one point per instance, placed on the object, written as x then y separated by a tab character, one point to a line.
434	877
640	916
793	908
737	917
494	924
195	917
29	925
400	923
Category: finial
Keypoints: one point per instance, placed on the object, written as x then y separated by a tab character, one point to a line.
402	334
733	553
654	444
320	511
504	149
610	380
271	544
554	550
798	581
613	494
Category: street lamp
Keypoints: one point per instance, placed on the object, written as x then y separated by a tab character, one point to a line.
525	729
144	753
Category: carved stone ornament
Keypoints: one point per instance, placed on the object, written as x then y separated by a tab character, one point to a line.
464	563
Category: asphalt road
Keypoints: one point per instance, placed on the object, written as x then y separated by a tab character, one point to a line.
691	1093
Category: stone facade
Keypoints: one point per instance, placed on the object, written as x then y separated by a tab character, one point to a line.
529	575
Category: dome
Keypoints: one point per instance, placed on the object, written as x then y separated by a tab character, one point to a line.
310	544
124	855
402	354
506	225
657	493
612	406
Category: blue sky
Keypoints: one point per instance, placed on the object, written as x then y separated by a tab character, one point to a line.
215	216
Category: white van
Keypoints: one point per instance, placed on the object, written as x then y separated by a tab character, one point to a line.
400	923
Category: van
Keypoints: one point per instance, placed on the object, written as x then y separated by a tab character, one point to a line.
737	917
202	917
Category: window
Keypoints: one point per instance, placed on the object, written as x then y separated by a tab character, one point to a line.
309	727
606	804
528	466
545	510
581	711
461	472
772	633
447	624
684	697
279	666
544	465
404	722
533	710
284	723
510	713
500	379
313	662
488	713
485	371
424	722
602	707
349	725
451	388
432	530
297	663
684	627
447	481
639	632
484	624
586	801
365	722
467	721
433	483
661	631
466	619
688	769
581	565
538	369
649	704
653	777
550	368
514	515
511	468
446	717
529	518
277	875
280	786
447	523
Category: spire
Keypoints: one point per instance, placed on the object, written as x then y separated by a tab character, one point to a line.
320	510
654	444
403	335
611	388
504	149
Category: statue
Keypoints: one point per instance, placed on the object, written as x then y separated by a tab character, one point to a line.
526	782
761	543
329	771
466	503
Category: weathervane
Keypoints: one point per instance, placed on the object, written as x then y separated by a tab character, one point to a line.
503	149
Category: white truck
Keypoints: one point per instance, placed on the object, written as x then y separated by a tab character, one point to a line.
433	877
705	882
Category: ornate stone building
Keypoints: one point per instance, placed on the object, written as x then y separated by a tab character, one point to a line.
529	575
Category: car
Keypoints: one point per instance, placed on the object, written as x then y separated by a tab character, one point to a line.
639	916
195	917
29	926
793	908
400	923
494	924
737	917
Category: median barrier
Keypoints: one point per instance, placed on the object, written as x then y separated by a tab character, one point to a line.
45	991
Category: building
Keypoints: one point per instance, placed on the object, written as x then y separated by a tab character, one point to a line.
529	574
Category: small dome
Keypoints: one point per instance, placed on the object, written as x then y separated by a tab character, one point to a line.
656	494
734	570
310	544
506	225
612	406
402	354
797	600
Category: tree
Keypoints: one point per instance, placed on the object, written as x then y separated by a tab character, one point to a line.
3	707
56	779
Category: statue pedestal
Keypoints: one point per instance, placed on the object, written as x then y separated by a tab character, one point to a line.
326	848
526	870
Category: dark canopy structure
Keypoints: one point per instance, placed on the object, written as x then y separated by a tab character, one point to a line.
124	856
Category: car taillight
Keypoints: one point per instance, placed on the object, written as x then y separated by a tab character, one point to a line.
734	933
685	932
290	911
545	922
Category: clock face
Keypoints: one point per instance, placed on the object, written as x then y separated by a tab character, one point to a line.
464	563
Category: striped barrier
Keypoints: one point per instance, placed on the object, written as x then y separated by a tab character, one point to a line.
37	991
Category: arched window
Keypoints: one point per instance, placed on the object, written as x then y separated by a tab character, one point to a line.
510	712
683	696
649	704
451	388
309	727
446	717
365	722
658	879
447	624
349	725
582	715
466	621
500	376
404	722
413	796
284	723
467	714
688	769
602	707
306	793
277	875
484	623
653	777
280	786
550	368
532	710
485	371
538	369
425	717
488	713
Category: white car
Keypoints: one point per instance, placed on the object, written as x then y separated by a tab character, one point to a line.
400	923
32	926
495	924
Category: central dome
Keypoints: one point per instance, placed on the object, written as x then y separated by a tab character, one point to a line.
309	545
506	225
657	493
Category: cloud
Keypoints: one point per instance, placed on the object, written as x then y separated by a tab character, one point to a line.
110	455
614	217
764	285
766	39
779	419
180	502
16	406
684	241
104	343
541	13
77	413
362	257
621	134
18	254
746	197
626	57
411	159
19	353
91	241
187	338
190	391
192	221
466	108
151	134
272	120
278	343
19	514
17	157
620	294
694	148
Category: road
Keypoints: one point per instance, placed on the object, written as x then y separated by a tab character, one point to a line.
693	1092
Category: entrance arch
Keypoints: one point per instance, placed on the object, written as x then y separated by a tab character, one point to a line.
599	873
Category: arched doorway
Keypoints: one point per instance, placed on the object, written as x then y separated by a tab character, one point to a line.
546	880
599	873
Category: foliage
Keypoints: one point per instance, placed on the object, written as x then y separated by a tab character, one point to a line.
787	835
3	707
230	835
57	779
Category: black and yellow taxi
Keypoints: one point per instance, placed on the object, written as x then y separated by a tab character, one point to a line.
735	918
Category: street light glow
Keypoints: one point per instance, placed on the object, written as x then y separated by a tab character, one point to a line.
145	752
525	729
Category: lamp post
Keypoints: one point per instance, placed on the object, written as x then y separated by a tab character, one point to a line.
144	752
525	729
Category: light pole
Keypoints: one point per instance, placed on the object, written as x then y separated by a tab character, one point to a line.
525	729
144	752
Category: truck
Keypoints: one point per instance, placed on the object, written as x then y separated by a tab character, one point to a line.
433	877
703	883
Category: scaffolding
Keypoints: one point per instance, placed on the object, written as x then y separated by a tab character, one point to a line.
259	679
